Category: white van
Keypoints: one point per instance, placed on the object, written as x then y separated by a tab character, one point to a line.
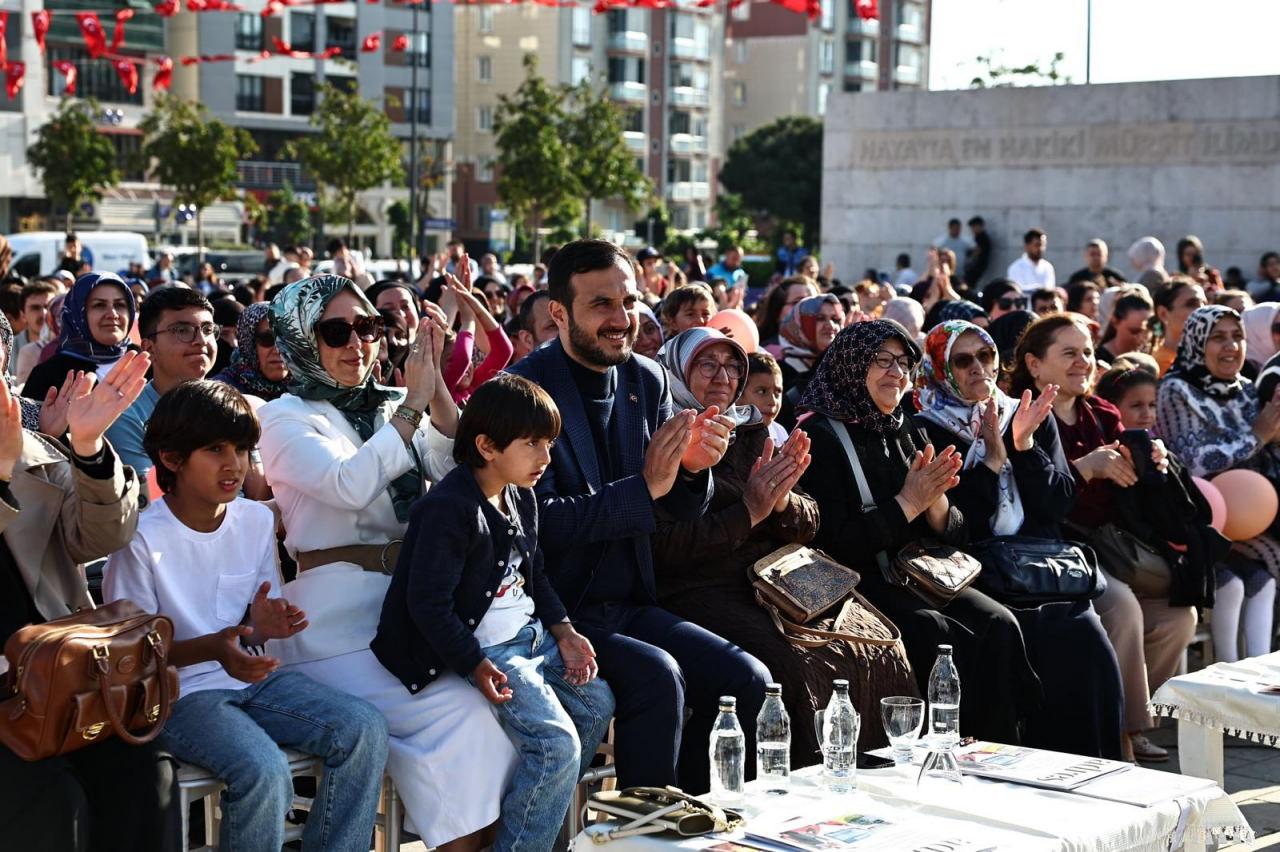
38	253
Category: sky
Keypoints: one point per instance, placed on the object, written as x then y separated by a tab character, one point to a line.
1132	39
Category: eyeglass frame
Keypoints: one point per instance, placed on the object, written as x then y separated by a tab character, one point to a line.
970	357
188	330
379	323
907	371
700	365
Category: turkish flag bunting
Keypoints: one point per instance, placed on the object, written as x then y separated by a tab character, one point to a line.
68	70
95	40
117	35
371	43
4	27
40	26
868	10
164	73
285	48
128	73
167	8
401	44
272	9
14	74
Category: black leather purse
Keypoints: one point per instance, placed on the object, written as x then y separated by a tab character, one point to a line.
1024	571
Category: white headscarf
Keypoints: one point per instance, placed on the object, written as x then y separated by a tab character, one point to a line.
1259	347
1146	254
907	313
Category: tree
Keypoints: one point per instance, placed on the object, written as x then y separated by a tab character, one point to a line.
536	174
194	154
777	171
603	165
352	151
75	161
996	76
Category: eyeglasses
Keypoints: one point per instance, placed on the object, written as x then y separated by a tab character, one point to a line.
886	361
1012	303
708	368
337	332
265	339
964	360
185	332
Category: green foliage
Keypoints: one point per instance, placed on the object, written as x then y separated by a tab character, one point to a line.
398	215
284	219
995	76
604	166
352	151
776	171
737	227
193	154
75	161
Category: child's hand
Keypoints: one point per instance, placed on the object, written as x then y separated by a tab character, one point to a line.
237	662
492	682
578	655
274	618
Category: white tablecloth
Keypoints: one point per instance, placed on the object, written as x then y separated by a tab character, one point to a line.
1227	697
1015	817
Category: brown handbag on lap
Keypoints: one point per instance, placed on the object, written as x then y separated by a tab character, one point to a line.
77	680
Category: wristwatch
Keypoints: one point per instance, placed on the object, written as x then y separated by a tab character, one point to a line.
408	415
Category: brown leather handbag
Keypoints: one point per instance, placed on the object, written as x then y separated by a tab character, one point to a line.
77	680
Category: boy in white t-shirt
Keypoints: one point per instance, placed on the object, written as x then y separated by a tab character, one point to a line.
206	558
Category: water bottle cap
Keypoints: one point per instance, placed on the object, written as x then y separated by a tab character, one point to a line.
773	689
728	702
944	649
840	683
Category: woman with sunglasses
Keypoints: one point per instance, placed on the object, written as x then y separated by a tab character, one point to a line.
1015	480
861	388
346	457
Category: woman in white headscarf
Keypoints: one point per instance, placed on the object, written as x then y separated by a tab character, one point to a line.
1261	342
1147	258
907	313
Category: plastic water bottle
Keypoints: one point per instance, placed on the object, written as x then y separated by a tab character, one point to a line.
728	753
839	740
944	701
773	743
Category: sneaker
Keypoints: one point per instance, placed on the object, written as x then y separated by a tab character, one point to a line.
1146	751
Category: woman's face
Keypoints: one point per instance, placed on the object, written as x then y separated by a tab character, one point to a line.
108	314
649	340
829	322
709	378
973	363
1132	333
1224	350
270	364
809	267
795	293
1188	257
887	386
400	302
1174	318
1089	304
1067	363
497	300
350	363
1138	407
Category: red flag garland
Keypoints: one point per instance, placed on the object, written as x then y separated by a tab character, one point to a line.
95	40
14	75
117	36
371	43
867	10
401	44
167	8
164	73
4	28
128	73
68	70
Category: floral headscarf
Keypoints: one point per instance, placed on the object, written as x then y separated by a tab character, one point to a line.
75	337
838	388
677	356
244	373
942	402
294	313
798	335
1189	365
30	408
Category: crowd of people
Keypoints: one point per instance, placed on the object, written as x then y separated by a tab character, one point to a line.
461	529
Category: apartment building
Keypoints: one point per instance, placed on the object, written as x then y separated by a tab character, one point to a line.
778	63
663	66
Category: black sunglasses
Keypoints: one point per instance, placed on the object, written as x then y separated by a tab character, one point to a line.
964	360
337	332
1011	303
265	339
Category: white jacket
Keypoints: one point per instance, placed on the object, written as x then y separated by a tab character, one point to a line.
332	491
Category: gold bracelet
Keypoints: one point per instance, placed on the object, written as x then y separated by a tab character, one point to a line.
408	415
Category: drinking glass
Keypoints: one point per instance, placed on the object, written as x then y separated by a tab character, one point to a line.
903	717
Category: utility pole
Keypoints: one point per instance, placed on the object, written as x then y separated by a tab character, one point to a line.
1088	41
413	141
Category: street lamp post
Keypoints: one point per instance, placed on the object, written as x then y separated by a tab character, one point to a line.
413	143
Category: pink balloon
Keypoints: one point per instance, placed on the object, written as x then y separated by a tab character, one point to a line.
736	324
1214	497
1251	503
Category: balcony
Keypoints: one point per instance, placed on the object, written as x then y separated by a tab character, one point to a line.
687	48
863	69
909	74
628	91
910	33
689	191
687	143
688	96
629	41
635	140
857	26
264	174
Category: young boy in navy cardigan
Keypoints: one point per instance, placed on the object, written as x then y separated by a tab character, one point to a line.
469	593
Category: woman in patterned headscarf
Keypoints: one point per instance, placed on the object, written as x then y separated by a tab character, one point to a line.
859	402
346	456
257	367
806	332
30	408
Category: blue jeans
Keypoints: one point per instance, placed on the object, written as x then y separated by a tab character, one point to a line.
237	735
555	726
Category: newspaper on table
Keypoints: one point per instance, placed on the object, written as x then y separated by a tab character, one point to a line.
1052	770
862	830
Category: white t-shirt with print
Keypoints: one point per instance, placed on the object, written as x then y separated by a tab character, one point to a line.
511	609
203	582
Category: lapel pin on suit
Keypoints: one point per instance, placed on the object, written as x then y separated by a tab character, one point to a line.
633	397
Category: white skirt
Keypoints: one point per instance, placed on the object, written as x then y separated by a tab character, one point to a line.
449	757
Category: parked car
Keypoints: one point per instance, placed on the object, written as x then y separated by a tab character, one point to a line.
37	253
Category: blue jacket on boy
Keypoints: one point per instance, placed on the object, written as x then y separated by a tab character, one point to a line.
450	566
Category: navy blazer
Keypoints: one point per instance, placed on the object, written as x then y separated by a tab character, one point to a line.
580	513
451	565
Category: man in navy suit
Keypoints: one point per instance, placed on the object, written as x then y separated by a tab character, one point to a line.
621	449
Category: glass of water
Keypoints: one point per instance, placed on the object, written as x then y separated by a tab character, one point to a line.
903	717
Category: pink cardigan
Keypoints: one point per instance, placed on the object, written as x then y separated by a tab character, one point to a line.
500	352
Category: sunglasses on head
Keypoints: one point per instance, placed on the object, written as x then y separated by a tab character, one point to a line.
1013	303
964	360
265	339
337	332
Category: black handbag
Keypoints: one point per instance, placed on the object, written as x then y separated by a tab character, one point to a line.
1024	571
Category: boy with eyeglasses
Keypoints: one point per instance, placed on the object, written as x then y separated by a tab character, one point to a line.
178	332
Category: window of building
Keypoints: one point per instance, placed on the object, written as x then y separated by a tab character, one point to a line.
907	55
484	170
626	69
679	170
824	92
95	78
421	104
419	51
682	25
689	74
346	85
680	217
128	156
485	19
739	94
341	33
738	131
740	50
910	18
249	32
699	218
484	118
827	14
302	94
633	120
248	93
862	50
582	26
579	69
482	217
699	172
742	12
302	31
826	56
484	69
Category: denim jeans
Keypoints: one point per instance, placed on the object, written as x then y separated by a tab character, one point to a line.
237	734
555	726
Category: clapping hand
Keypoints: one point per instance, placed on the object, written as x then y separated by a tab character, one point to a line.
929	478
53	411
774	474
92	408
273	618
1030	415
991	437
10	431
239	663
708	440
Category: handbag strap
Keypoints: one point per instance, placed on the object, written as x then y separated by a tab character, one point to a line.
864	489
815	637
102	669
